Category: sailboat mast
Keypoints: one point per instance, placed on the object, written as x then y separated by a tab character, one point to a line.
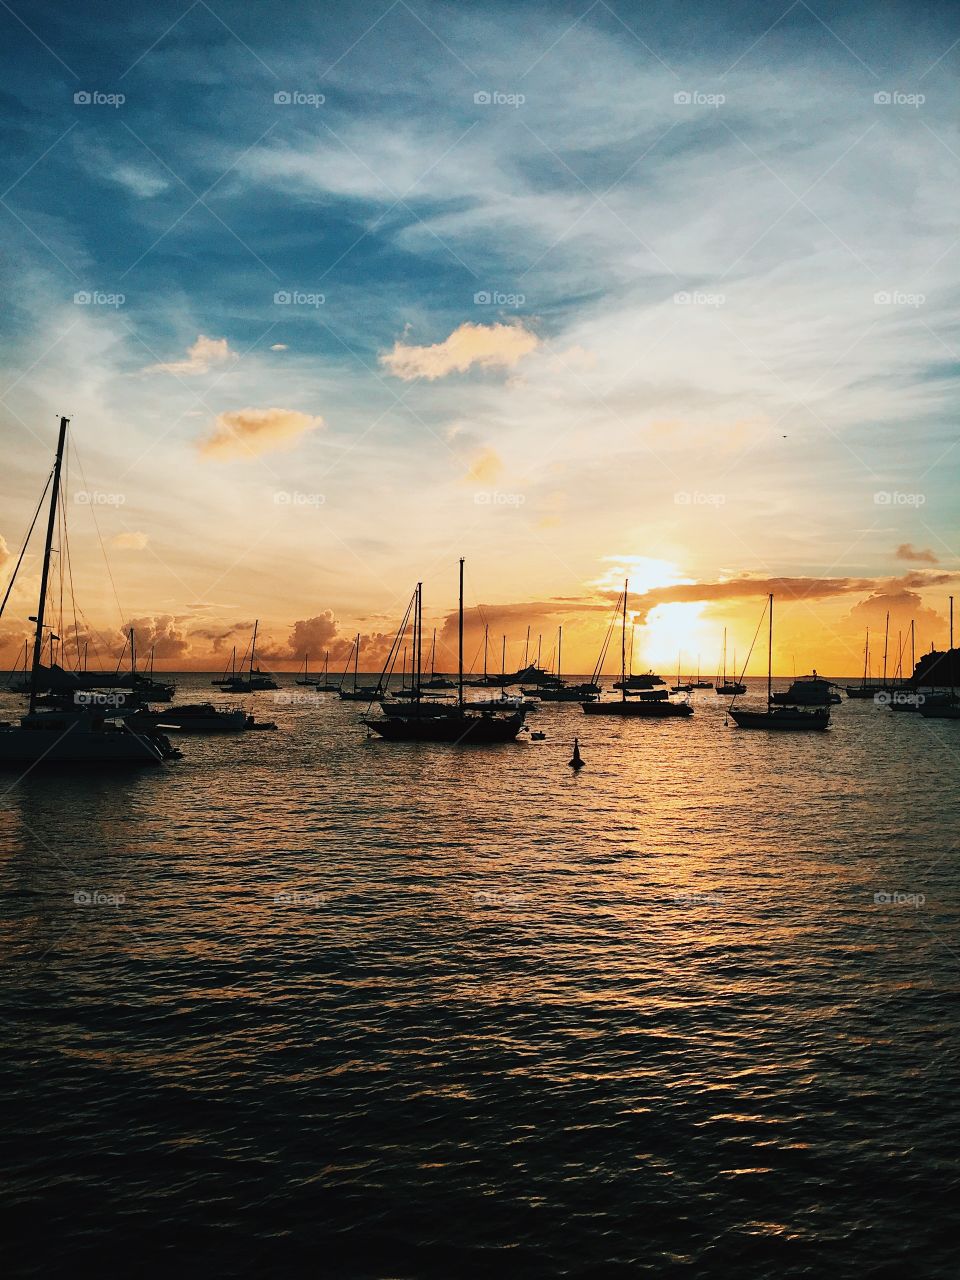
418	644
503	659
253	644
526	650
356	661
866	657
913	650
886	636
623	646
770	654
45	573
460	639
485	629
559	653
133	656
433	654
953	678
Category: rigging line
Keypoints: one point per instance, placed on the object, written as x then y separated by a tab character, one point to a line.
23	549
606	640
96	526
747	662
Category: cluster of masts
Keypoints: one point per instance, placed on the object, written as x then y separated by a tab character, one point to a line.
88	718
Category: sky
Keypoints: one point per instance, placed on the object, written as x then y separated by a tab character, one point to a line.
336	294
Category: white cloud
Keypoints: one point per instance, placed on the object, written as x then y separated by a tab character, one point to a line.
204	353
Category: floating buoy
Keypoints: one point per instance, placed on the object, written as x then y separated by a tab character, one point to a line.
576	761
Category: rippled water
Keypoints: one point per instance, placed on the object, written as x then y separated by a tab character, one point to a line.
372	1009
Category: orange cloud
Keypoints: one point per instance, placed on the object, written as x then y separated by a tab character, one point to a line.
488	346
906	551
485	467
4	550
204	353
131	541
246	433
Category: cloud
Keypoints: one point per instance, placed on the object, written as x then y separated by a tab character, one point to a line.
131	541
160	633
279	346
489	346
5	552
247	433
485	467
919	555
204	353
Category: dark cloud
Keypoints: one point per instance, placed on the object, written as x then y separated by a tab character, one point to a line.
919	555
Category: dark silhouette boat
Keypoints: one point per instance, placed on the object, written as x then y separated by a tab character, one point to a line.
776	717
251	680
421	720
89	733
641	697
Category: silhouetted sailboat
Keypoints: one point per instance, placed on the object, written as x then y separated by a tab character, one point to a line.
724	687
864	689
358	692
778	717
253	679
424	721
946	706
87	733
649	702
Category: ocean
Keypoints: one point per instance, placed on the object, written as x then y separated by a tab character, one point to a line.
307	1001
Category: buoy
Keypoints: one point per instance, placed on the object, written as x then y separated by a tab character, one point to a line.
576	762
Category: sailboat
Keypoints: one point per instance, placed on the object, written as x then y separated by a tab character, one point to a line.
424	721
906	697
253	679
945	706
728	688
359	693
778	717
678	687
701	684
864	689
559	690
88	733
304	677
435	681
650	702
323	683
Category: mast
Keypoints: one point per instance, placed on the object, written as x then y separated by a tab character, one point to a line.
356	661
485	629
866	658
953	678
503	662
559	654
539	642
623	646
433	653
526	650
253	645
886	636
45	573
460	640
913	651
770	655
724	655
133	658
418	645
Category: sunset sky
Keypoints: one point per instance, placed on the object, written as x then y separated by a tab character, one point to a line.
337	294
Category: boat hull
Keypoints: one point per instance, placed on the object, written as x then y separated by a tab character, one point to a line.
658	710
468	730
76	744
780	720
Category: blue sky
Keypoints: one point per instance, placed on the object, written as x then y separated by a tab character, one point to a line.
718	267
